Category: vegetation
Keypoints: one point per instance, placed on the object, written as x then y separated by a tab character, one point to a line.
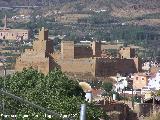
158	93
107	86
54	92
137	99
100	25
149	16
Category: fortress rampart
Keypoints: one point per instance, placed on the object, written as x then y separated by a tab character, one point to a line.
77	58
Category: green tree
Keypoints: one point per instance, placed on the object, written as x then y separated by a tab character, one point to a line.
54	91
137	99
158	93
107	86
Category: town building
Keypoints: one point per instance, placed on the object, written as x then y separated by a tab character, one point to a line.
76	59
140	80
121	85
146	82
146	66
154	82
13	34
154	69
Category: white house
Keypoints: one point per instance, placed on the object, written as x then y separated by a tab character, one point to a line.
146	66
155	82
121	84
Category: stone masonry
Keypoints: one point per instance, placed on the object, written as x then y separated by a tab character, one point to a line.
76	59
38	57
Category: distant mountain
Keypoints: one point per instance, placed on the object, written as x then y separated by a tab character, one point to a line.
121	8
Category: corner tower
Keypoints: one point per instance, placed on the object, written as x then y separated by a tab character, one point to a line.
43	43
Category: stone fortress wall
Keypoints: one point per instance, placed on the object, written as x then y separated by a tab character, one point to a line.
38	57
77	59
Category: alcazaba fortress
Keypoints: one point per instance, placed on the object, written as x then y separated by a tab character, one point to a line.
77	59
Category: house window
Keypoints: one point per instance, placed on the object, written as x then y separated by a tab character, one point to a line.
136	78
142	78
1	34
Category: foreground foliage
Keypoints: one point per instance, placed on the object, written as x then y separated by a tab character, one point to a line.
54	92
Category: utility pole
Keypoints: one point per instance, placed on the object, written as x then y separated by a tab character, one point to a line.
132	99
124	94
83	112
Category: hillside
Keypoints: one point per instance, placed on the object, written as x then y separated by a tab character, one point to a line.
119	8
129	21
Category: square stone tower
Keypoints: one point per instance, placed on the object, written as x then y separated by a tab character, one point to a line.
127	52
67	49
43	44
39	56
43	34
